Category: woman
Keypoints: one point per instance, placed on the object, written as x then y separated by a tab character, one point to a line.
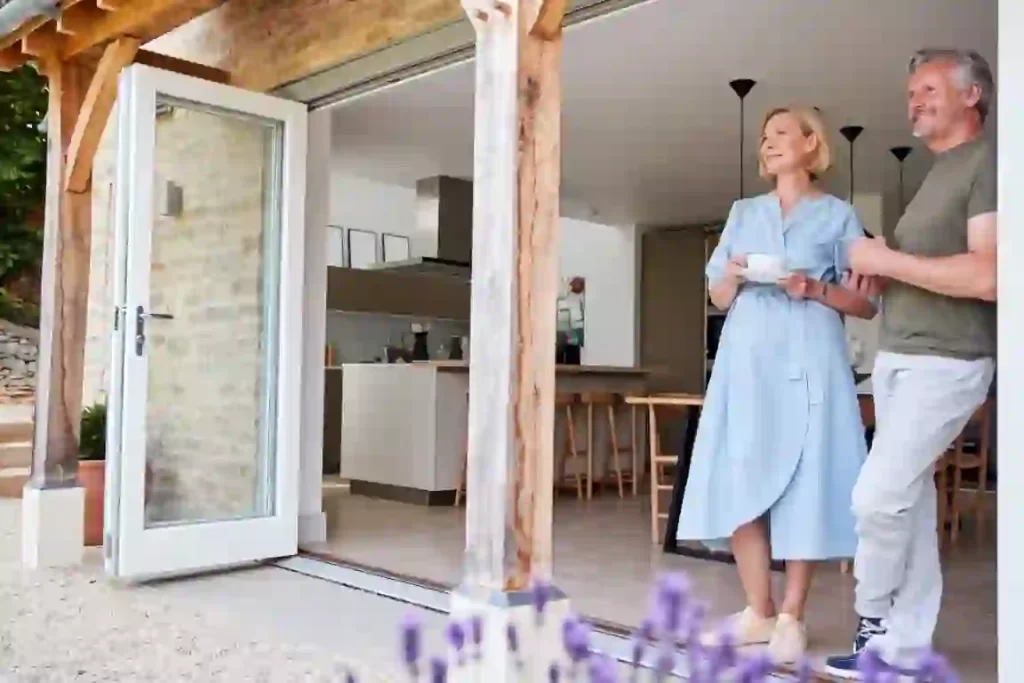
780	440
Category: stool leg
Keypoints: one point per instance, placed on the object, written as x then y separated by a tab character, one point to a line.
590	451
653	441
634	453
954	532
462	477
615	448
570	418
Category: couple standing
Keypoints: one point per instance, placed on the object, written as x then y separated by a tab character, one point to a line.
780	465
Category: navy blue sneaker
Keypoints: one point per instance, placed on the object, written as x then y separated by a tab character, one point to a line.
845	666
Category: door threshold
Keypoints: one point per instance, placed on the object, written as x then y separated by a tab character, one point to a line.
613	640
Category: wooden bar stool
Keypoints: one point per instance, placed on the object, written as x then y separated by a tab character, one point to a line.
597	402
569	451
957	460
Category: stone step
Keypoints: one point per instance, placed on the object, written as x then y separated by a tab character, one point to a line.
12	481
16	432
15	454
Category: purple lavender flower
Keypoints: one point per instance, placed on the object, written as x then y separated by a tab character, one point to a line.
350	677
540	595
673	591
476	634
554	674
870	666
722	657
602	669
438	670
665	662
411	644
804	672
512	638
457	639
756	669
576	639
935	669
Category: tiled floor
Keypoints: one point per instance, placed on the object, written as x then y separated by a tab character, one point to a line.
605	562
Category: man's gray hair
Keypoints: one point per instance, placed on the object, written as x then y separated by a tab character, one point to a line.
971	69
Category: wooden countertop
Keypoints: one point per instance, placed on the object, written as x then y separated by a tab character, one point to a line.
463	366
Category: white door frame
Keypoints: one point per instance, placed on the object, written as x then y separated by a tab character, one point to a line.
142	552
1010	368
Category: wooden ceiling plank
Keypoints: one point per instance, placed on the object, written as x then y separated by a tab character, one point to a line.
92	120
182	66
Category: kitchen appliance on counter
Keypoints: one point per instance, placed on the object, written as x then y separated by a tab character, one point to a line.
455	350
420	346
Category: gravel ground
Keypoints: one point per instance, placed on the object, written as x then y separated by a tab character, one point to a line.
74	625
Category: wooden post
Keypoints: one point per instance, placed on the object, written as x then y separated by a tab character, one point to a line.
514	290
65	289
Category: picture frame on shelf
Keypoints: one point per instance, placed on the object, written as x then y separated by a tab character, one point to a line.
394	247
337	255
361	246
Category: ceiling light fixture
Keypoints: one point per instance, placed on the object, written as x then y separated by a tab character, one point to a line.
742	88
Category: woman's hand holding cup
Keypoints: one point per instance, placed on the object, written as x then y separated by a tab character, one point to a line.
735	268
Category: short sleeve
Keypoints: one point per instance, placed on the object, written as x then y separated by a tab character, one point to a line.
982	198
715	269
850	231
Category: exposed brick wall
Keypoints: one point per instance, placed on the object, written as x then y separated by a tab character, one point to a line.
205	380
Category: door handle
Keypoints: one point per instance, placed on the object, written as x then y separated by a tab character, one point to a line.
140	327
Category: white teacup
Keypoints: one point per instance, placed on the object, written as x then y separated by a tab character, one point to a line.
765	265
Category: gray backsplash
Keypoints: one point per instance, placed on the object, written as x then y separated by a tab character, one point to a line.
361	337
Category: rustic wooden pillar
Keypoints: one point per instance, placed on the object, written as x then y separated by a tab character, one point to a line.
514	290
65	288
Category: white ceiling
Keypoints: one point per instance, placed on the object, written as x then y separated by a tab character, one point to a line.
649	121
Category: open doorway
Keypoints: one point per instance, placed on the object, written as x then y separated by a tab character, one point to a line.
650	168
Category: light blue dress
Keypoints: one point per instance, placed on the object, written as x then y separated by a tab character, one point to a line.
780	435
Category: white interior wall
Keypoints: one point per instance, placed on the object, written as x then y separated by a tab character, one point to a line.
603	254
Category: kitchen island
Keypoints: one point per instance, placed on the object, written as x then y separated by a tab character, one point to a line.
403	425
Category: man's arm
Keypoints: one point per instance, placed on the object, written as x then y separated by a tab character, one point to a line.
966	276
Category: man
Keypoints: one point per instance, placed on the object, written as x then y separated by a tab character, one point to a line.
936	358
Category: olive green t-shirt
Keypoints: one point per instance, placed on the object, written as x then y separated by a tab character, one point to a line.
960	186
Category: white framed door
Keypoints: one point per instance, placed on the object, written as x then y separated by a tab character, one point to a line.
203	426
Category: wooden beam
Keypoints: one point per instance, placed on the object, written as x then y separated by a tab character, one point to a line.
182	66
111	5
17	34
548	25
514	291
65	290
78	17
92	120
42	43
143	20
12	57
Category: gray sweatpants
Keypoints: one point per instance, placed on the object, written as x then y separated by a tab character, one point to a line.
922	403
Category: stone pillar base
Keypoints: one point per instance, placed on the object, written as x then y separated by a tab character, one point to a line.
52	526
540	643
312	528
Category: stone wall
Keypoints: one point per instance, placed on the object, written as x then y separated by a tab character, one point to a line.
206	393
19	348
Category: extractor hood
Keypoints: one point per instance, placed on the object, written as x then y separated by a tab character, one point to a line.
444	209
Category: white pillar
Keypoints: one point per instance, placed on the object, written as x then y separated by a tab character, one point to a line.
1010	567
312	521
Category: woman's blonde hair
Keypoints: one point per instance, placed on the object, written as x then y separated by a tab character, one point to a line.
810	124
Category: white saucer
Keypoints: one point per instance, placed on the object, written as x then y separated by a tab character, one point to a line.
764	277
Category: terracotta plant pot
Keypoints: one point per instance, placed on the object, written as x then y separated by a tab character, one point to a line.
91	474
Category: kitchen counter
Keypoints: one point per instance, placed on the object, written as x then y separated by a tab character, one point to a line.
404	425
463	366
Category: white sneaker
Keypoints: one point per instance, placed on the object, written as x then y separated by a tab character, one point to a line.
789	640
746	628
